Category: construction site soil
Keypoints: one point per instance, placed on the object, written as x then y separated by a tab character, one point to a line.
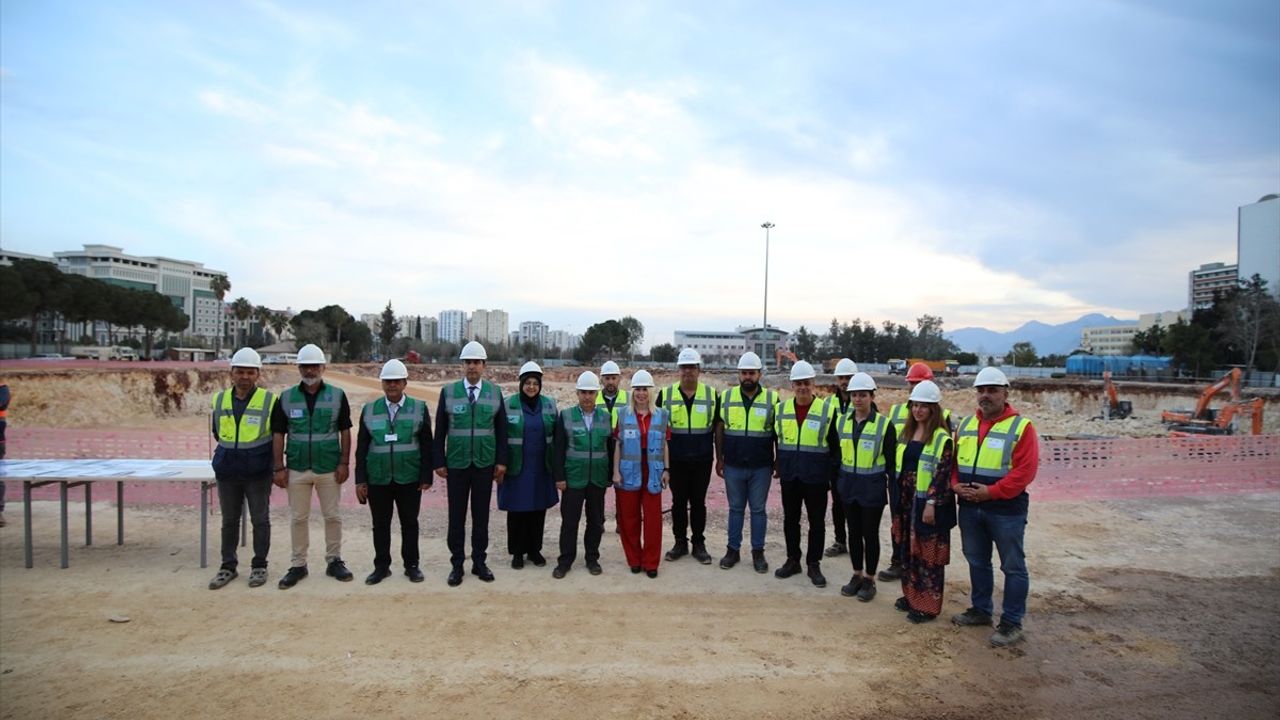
1156	607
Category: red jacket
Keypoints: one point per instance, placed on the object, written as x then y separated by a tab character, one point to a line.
1023	465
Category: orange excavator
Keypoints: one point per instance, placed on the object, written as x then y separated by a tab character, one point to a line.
1205	420
1114	408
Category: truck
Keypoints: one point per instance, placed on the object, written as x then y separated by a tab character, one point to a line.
949	368
897	366
103	352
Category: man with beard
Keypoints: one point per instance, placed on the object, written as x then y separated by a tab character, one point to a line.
745	438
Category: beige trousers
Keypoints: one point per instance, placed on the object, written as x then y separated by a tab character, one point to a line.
329	491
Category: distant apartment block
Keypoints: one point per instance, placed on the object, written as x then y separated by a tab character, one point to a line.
1207	279
489	327
1108	339
533	331
1258	241
453	326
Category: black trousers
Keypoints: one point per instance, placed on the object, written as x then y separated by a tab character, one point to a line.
571	504
472	485
524	531
864	535
837	514
405	499
689	482
232	495
813	496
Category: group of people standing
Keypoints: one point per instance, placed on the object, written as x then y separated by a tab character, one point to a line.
913	459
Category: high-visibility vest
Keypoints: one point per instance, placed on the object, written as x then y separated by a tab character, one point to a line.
802	447
631	461
756	423
398	460
586	458
471	439
515	429
988	463
254	428
701	420
313	436
619	402
862	454
929	458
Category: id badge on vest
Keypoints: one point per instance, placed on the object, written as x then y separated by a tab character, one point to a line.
390	437
295	413
630	434
813	424
866	445
760	411
995	443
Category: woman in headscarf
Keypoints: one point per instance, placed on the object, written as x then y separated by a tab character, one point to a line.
528	489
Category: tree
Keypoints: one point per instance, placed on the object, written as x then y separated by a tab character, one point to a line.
805	344
664	353
262	314
635	334
47	291
966	358
311	332
602	339
1149	342
242	310
220	286
1022	355
389	327
929	341
1249	309
1191	346
278	323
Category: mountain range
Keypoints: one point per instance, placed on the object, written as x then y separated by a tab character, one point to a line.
1048	339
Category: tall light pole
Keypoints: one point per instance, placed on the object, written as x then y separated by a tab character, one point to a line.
765	327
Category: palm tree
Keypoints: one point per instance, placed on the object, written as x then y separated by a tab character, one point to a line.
242	310
219	286
262	314
278	323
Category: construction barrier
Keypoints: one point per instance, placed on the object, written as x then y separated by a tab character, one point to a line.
1097	469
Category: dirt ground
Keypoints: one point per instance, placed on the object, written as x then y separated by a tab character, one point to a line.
1155	608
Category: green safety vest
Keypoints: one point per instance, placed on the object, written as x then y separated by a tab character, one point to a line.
313	437
758	423
704	408
254	428
471	439
929	458
619	402
862	454
812	436
586	457
515	430
398	460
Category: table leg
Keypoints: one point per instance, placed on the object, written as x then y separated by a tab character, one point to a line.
88	513
62	494
119	512
26	521
204	524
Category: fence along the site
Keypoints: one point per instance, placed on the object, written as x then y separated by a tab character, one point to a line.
1069	469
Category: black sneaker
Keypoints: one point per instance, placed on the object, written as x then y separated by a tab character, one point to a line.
537	559
855	584
701	555
1006	634
560	571
731	558
338	570
972	617
868	590
837	548
891	573
292	577
789	568
816	576
758	562
517	562
677	551
594	568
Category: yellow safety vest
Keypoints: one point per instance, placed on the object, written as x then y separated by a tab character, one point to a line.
619	402
254	428
739	423
704	409
929	458
863	454
810	437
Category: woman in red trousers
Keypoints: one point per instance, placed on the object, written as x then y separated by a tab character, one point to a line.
639	476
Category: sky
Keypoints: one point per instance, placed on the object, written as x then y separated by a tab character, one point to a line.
569	162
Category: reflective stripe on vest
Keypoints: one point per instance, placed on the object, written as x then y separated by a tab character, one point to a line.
812	436
704	405
993	460
929	457
619	402
254	428
471	437
570	425
631	460
739	422
308	449
410	410
863	454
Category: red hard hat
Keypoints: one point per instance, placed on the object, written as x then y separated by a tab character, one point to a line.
919	372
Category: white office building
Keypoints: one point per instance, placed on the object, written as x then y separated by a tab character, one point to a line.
1206	280
453	326
533	331
1258	241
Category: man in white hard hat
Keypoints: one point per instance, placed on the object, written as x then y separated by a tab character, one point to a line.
745	438
844	371
393	469
693	407
241	423
581	450
611	397
997	453
471	455
315	419
808	446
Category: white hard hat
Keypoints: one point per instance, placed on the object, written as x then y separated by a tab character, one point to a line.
530	367
393	370
926	391
642	379
802	371
610	368
246	357
310	354
990	376
846	367
750	361
473	351
689	356
861	381
588	381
